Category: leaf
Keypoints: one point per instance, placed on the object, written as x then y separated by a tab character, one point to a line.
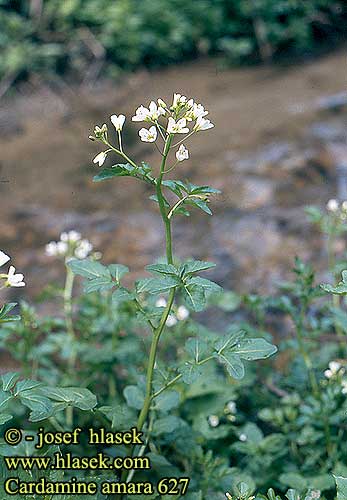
134	396
196	348
5	417
203	190
341	485
26	385
121	416
121	295
87	268
294	480
167	400
252	349
194	266
119	170
167	269
194	297
199	204
233	364
41	406
117	271
5	309
190	372
253	433
74	396
208	285
5	398
229	340
157	285
165	425
9	380
340	288
98	284
175	186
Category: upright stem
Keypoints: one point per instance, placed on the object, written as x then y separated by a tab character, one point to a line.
151	363
159	330
69	281
162	208
68	301
169	257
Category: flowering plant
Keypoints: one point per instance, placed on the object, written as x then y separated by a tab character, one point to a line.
172	282
9	279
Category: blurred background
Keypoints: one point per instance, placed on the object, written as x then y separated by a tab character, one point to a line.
272	74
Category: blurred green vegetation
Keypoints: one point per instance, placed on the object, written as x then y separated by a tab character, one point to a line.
69	37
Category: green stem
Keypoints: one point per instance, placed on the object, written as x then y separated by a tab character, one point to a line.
159	330
307	359
151	362
69	281
161	201
121	153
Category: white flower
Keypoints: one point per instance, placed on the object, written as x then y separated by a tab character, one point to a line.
162	103
14	279
171	320
161	302
83	249
182	153
100	132
213	420
334	368
143	114
72	236
231	407
196	111
148	135
344	206
182	313
52	249
179	127
118	121
100	158
178	99
155	111
3	258
243	437
332	205
62	247
202	124
344	386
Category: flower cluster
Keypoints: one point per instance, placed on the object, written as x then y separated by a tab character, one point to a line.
180	314
11	278
179	114
70	245
337	209
213	420
229	411
335	372
183	116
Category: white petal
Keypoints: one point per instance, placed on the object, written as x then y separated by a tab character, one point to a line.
3	258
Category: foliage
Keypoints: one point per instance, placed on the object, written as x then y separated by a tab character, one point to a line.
140	355
54	37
